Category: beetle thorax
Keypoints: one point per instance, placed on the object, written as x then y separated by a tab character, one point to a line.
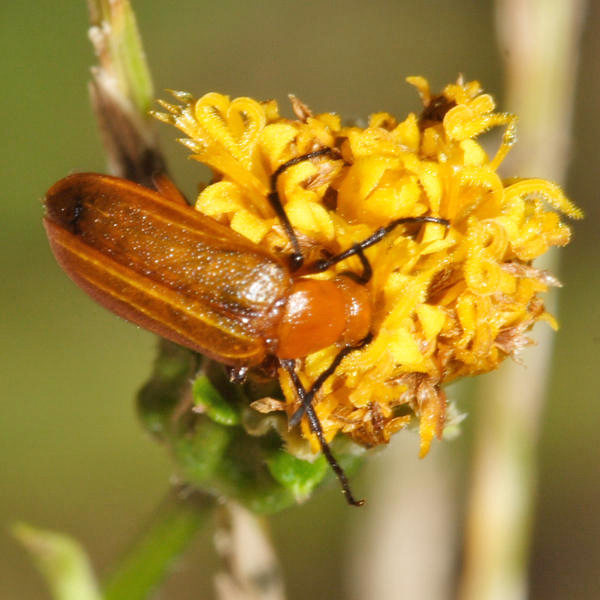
319	313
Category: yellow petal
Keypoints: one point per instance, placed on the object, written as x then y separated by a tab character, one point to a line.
220	198
432	320
404	348
249	225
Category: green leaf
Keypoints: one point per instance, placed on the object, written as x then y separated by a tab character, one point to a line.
62	562
299	476
216	407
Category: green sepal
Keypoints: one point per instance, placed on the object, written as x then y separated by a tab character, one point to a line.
159	397
216	407
224	447
301	477
199	452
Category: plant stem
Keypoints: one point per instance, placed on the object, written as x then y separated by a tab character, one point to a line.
147	562
121	92
251	569
402	546
539	40
120	52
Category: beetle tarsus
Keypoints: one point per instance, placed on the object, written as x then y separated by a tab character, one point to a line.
298	159
315	425
367	273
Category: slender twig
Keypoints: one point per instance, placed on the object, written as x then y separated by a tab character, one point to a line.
251	569
144	566
404	544
121	93
539	42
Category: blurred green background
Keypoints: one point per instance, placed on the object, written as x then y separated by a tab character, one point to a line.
72	454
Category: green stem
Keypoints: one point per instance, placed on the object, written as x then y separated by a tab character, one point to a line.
147	562
120	51
121	92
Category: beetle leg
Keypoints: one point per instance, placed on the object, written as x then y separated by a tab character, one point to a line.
296	258
316	386
359	248
366	265
315	426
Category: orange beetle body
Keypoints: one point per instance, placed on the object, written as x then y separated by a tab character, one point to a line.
152	259
161	264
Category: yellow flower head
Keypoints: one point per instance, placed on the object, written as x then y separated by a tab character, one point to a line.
447	302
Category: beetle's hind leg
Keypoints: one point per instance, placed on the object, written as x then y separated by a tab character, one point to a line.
315	425
308	397
296	258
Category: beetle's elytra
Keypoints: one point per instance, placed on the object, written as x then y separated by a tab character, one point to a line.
153	260
165	266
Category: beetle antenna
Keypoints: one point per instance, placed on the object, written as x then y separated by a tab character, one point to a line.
296	258
317	429
359	248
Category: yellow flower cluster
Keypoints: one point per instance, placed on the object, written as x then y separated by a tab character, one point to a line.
447	303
